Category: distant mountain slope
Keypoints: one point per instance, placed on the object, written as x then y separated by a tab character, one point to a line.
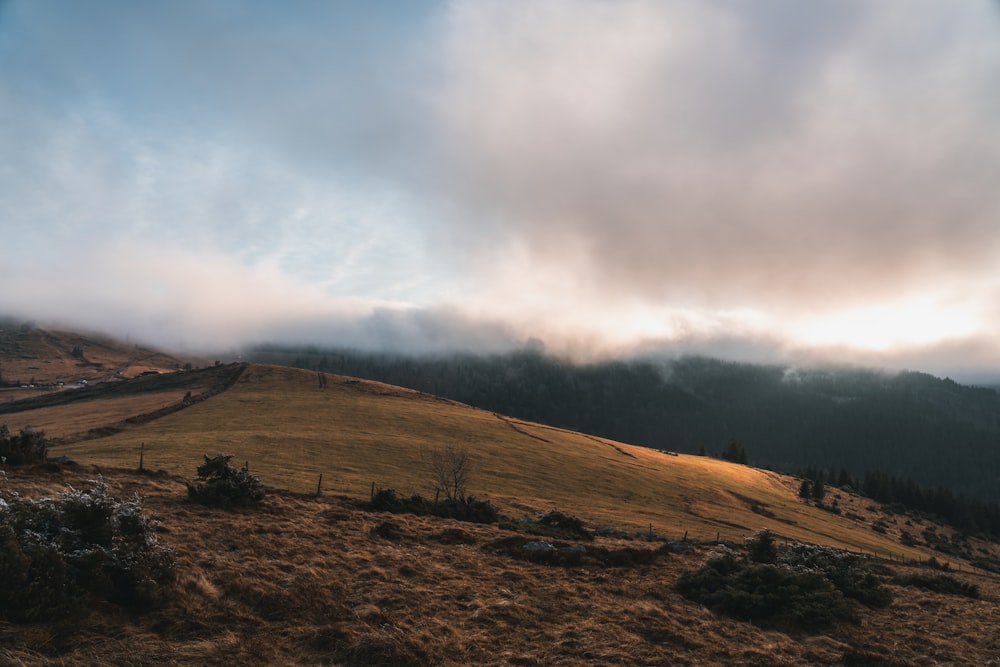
295	425
310	578
32	355
909	424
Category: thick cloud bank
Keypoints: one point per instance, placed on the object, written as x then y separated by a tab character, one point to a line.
762	178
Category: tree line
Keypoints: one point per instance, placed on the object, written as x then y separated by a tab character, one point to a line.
909	425
972	516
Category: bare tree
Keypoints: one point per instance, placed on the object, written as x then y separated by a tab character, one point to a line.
451	468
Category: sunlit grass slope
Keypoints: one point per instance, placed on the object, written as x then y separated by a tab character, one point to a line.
355	433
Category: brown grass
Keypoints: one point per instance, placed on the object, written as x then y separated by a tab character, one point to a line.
311	581
355	433
47	356
66	420
308	581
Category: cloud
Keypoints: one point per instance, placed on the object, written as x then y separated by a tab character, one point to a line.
186	299
602	175
728	155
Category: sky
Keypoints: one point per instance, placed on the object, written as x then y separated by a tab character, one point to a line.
768	180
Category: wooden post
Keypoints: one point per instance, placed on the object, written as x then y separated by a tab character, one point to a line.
319	486
373	491
142	451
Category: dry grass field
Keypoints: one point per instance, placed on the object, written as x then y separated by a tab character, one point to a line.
32	355
310	580
356	433
301	580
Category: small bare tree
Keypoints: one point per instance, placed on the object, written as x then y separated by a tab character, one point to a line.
451	468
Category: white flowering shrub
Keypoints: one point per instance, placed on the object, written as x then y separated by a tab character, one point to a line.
55	552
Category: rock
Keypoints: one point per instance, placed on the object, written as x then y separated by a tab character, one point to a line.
538	545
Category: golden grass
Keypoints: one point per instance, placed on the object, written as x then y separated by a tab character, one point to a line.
66	420
312	581
355	433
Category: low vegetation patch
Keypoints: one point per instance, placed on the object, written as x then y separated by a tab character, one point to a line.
939	583
464	509
56	552
557	525
801	586
221	483
29	446
572	555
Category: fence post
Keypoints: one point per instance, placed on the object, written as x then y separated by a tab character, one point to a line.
319	486
142	451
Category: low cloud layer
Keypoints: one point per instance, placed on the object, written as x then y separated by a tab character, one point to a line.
767	180
719	153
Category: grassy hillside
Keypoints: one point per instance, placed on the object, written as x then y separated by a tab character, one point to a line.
320	581
911	425
307	580
357	433
32	355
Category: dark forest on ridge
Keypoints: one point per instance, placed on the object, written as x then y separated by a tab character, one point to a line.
907	425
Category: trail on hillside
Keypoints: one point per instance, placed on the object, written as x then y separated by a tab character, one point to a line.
214	381
510	422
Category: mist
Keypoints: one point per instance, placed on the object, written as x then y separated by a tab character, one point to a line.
785	181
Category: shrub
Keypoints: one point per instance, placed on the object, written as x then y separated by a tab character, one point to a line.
468	509
765	593
850	573
29	446
762	548
560	525
800	585
224	484
53	551
939	583
451	468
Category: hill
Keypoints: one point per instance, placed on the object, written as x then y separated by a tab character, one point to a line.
303	580
321	579
295	425
30	355
908	424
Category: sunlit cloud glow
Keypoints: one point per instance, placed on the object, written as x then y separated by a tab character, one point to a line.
775	179
908	323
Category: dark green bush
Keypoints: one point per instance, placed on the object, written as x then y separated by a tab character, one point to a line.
54	551
221	483
766	593
762	547
559	525
939	583
467	509
850	573
797	585
29	446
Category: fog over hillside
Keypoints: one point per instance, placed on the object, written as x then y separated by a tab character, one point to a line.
781	181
